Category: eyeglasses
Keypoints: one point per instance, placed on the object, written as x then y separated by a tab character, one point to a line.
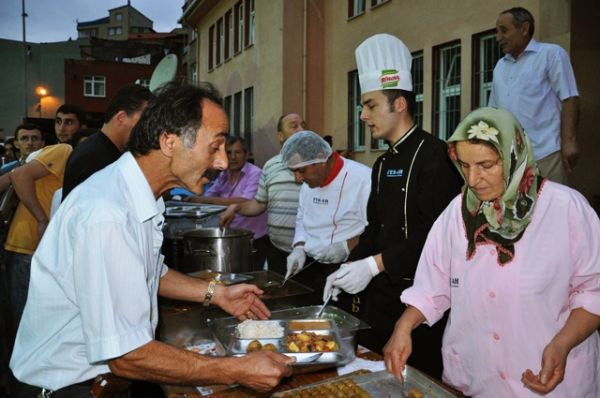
483	167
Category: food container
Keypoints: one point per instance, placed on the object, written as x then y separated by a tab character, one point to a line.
347	324
222	278
378	385
317	329
228	250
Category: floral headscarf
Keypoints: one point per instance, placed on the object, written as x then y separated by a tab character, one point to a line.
500	222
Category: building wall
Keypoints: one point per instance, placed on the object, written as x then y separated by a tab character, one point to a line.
44	67
117	75
302	64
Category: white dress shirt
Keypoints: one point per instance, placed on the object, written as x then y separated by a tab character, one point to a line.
532	88
94	280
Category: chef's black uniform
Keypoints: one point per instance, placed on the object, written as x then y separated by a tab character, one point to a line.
412	183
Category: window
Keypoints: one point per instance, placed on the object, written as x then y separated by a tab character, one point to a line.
486	53
356	127
227	107
211	47
355	8
249	37
417	77
239	27
119	17
446	78
143	82
375	3
220	41
194	72
94	86
249	116
115	31
237	114
228	34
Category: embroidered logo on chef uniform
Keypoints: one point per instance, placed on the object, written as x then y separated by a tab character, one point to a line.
321	201
389	78
395	173
453	282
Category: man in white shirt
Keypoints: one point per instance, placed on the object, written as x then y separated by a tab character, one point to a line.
332	209
92	305
535	81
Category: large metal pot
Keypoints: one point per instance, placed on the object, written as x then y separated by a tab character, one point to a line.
228	250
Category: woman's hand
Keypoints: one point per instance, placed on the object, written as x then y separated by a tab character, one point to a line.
396	352
554	362
241	301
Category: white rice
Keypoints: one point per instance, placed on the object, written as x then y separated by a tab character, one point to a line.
251	329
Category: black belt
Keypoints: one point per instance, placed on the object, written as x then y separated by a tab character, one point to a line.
66	391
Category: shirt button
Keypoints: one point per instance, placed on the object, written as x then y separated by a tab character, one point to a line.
492	252
402	189
492	295
382	225
402	228
496	336
503	375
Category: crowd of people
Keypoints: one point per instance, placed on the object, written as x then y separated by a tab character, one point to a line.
471	259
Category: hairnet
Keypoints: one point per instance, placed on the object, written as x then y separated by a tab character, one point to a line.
304	148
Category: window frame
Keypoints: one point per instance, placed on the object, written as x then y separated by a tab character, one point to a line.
354	10
220	33
93	80
239	27
418	63
248	131
228	47
211	47
249	23
356	127
441	125
480	86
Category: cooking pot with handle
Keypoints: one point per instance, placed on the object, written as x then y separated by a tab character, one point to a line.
228	250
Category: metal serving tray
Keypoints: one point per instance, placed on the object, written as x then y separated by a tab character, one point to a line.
224	278
226	332
384	385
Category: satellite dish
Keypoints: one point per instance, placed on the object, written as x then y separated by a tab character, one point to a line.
164	72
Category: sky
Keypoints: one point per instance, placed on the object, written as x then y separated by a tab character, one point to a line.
56	20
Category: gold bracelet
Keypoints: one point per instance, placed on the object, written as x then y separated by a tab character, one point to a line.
210	291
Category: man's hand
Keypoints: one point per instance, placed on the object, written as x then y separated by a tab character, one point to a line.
227	216
332	254
554	362
569	153
355	276
263	370
295	261
396	352
241	301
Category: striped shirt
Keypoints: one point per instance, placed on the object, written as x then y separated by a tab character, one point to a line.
278	189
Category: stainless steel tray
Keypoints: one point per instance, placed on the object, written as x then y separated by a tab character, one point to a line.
226	331
384	385
225	278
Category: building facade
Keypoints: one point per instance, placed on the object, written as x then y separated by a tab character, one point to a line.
119	25
269	58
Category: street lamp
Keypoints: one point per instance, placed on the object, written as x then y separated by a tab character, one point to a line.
41	92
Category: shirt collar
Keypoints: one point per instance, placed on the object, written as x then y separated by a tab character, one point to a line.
532	46
145	206
394	146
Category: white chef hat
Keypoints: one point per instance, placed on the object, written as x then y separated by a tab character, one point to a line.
383	63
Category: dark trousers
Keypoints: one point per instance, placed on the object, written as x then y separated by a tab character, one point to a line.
79	390
261	248
276	259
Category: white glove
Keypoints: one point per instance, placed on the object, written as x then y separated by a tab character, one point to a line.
354	277
332	254
295	261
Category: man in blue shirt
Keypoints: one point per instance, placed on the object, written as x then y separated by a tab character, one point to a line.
535	81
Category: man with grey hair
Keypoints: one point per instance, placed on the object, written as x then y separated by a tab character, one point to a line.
332	208
535	81
97	274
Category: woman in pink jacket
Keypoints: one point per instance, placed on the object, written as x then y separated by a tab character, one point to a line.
517	260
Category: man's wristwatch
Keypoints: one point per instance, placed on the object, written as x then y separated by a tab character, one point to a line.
210	291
